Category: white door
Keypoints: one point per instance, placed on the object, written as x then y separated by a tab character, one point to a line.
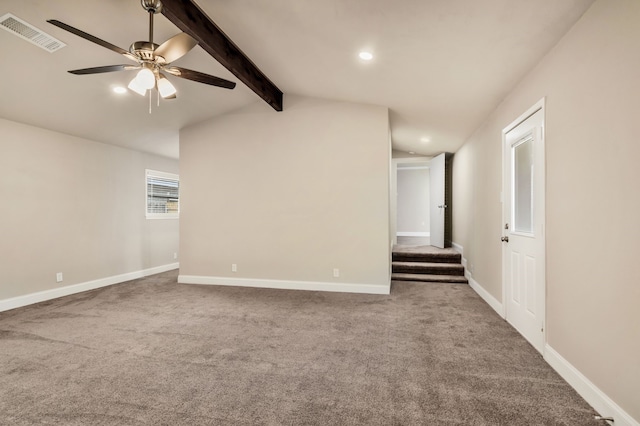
437	204
523	234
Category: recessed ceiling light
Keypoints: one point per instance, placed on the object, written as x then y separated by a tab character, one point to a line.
411	152
365	56
425	139
119	90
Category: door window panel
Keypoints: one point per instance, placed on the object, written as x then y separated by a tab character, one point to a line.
522	155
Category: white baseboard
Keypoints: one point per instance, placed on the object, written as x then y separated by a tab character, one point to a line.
286	285
160	269
457	247
486	296
603	405
413	234
42	296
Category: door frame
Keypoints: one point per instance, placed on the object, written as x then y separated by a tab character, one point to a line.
438	209
418	160
538	106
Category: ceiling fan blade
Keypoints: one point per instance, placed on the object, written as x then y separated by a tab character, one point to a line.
176	47
200	77
91	38
107	68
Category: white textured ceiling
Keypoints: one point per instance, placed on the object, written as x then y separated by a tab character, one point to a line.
440	65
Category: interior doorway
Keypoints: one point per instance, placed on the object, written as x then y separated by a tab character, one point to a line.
413	203
523	248
421	201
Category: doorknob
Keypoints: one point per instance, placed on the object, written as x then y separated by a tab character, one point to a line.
504	239
442	206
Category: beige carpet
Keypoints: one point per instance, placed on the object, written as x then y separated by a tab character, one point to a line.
152	351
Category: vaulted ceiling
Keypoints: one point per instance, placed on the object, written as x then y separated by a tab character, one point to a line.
440	66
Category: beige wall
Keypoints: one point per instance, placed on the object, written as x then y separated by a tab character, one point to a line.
74	206
591	81
288	195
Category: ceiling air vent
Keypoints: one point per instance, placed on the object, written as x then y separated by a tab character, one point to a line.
30	33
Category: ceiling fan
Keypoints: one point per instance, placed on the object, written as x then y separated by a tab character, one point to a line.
152	60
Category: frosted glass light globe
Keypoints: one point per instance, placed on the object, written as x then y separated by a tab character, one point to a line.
146	79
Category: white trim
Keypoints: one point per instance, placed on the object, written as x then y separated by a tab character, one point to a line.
457	247
400	169
160	269
42	296
587	390
285	284
515	123
413	234
407	160
486	296
155	216
160	174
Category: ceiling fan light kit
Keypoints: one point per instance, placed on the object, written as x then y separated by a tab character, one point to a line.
146	78
134	86
165	87
151	59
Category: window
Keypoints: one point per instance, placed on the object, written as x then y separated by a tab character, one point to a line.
163	199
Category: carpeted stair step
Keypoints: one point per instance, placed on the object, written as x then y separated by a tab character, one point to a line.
435	257
427	268
453	279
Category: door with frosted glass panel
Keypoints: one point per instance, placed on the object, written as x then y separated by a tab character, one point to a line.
523	233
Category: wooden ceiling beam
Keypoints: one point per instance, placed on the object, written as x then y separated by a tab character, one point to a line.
188	17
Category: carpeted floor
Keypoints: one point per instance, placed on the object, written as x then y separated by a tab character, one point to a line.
152	351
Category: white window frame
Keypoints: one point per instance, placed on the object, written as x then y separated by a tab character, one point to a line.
161	175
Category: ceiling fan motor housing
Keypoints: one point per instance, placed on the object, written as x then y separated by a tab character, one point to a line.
154	6
143	50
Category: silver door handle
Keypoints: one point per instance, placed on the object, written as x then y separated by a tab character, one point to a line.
504	239
442	206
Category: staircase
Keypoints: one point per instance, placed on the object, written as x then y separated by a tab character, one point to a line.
427	264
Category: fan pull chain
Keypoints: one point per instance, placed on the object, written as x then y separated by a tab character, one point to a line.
149	101
158	94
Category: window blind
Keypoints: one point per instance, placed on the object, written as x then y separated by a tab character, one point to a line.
163	194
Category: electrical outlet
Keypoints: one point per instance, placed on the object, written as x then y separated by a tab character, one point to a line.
234	267
59	277
336	272
175	255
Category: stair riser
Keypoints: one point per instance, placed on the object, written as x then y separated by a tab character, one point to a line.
420	269
429	278
426	257
432	281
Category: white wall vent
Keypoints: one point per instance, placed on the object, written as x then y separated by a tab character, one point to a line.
24	30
